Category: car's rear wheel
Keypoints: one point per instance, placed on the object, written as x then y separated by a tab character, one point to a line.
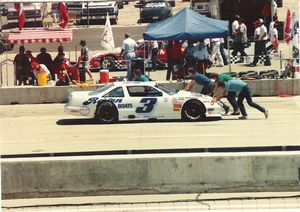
109	63
193	110
106	112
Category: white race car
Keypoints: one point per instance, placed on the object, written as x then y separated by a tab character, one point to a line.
121	101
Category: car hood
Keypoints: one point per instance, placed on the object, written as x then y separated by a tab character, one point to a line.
78	97
183	93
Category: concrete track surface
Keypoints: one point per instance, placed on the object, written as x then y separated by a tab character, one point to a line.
44	128
244	202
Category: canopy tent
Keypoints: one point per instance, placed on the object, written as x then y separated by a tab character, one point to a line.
38	36
187	25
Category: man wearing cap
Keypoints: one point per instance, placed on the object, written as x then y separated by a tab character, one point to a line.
40	69
128	52
262	41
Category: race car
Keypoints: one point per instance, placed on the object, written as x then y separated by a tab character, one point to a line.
123	101
114	61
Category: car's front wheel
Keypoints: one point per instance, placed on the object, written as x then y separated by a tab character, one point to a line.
106	112
193	110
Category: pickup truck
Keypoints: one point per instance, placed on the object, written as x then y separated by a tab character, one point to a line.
34	13
95	10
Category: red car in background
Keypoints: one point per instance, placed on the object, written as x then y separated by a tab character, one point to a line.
113	60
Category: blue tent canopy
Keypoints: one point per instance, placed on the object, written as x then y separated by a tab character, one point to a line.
187	25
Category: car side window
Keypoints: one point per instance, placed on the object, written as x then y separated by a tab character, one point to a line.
143	91
117	92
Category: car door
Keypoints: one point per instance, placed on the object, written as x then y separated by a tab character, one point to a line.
147	102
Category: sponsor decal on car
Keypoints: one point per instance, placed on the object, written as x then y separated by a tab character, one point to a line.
95	100
177	106
124	106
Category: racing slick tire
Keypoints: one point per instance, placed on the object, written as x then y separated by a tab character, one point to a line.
106	112
109	63
193	110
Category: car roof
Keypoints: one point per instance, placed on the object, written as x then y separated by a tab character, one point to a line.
132	83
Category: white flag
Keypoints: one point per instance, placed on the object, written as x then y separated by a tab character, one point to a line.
107	38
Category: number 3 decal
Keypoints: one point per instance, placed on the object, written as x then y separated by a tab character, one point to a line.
148	105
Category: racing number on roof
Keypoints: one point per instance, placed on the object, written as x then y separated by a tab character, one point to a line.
148	105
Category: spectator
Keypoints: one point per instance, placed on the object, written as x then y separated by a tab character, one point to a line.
40	69
22	64
242	88
84	60
175	57
138	76
154	52
235	25
240	39
271	25
45	58
58	61
274	38
267	12
201	55
215	51
190	60
225	61
31	76
231	95
262	40
128	53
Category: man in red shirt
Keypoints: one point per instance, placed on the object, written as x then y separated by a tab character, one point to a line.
175	57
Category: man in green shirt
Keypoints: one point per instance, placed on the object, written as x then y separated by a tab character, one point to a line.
231	95
244	93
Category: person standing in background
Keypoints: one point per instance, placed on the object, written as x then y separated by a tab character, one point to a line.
23	66
215	51
154	53
128	53
240	39
45	58
84	59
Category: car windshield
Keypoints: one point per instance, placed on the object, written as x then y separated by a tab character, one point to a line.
103	88
168	90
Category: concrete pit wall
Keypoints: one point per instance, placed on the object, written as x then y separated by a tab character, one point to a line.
150	174
52	94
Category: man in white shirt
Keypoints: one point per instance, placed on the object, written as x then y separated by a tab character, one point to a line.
261	38
235	24
128	52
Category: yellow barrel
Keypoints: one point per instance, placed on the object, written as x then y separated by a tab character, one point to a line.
42	78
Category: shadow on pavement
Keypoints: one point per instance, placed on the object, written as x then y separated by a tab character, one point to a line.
84	121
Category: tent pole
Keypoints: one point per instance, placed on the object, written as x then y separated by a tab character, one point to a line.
229	62
145	60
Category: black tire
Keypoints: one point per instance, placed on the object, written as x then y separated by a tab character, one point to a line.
109	63
106	112
193	110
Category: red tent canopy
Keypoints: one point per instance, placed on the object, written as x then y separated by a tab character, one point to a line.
39	36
